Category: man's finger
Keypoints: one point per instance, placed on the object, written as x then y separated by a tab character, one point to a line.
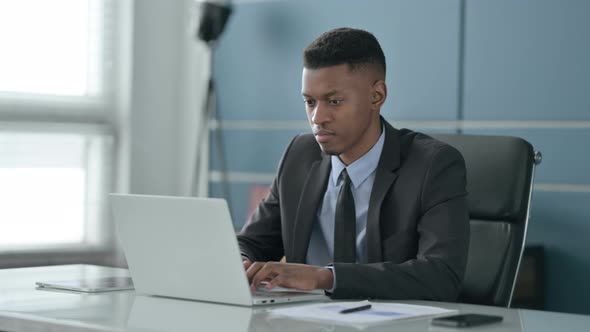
265	273
247	264
253	269
277	281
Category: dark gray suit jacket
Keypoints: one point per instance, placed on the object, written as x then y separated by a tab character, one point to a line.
417	223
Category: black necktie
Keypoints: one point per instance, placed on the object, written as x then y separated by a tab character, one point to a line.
345	224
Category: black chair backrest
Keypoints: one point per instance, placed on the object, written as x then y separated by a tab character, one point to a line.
500	173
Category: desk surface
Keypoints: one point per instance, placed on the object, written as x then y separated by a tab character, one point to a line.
24	308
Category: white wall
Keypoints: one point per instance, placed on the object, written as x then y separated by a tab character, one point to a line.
167	88
163	71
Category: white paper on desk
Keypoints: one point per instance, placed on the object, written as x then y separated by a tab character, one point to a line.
379	312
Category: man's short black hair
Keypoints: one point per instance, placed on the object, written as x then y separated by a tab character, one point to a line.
344	46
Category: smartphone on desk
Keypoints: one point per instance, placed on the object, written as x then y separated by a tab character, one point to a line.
466	320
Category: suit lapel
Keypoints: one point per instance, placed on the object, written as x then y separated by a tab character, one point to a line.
311	196
385	176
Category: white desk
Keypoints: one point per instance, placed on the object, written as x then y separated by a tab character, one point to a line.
24	308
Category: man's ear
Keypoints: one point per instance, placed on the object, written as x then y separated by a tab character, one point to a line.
379	94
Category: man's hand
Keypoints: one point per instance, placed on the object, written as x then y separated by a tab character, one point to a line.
246	263
297	276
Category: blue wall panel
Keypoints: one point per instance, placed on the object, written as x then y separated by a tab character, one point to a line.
251	150
239	199
258	61
560	223
527	59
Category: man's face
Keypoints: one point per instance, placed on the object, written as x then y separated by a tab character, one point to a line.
341	109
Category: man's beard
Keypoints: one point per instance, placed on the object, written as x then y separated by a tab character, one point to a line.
329	152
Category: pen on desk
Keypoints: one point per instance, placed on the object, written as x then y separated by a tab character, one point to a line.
361	308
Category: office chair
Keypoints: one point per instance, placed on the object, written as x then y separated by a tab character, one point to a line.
500	173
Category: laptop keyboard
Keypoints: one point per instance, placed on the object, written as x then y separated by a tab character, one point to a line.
280	292
276	294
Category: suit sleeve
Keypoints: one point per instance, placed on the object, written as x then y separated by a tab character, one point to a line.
443	229
261	238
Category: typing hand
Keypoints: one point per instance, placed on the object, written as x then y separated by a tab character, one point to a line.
297	276
246	263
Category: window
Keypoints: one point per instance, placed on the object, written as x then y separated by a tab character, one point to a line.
50	183
56	129
51	47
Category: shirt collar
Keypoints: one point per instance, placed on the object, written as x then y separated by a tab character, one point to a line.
361	168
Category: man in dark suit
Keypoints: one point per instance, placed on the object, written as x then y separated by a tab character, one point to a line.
359	208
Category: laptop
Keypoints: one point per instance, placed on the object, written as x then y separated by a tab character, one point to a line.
186	247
